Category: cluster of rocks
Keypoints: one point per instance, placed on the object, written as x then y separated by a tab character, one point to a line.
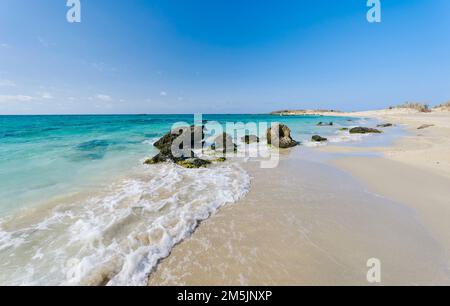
171	148
355	130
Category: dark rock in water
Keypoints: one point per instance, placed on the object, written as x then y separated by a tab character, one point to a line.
280	136
193	133
224	143
318	138
159	158
172	146
248	139
325	124
166	155
192	163
343	129
166	140
364	130
425	126
385	125
220	160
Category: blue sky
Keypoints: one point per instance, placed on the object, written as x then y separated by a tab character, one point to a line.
216	56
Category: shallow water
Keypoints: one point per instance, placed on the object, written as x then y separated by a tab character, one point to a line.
45	156
78	206
307	223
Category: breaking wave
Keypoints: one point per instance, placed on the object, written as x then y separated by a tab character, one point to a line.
118	235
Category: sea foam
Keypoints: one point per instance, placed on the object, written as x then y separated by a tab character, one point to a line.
118	236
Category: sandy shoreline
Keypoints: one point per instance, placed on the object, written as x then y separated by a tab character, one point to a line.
307	223
415	171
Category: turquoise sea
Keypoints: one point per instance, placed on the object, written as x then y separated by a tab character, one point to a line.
77	206
43	156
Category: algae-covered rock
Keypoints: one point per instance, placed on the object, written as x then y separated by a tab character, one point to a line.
364	130
169	150
220	160
193	133
159	158
193	163
318	138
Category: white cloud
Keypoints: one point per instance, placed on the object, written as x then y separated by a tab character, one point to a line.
46	95
4	45
15	98
163	94
104	98
7	83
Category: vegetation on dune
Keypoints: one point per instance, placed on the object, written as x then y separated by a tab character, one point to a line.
421	107
444	105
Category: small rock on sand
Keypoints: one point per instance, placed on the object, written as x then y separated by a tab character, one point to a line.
364	130
425	126
385	125
318	138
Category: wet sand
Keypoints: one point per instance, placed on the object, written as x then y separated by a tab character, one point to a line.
306	223
414	171
425	192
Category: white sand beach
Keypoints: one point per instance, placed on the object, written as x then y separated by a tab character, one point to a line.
309	222
224	143
415	171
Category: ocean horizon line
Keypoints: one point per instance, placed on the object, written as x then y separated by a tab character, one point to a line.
143	114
